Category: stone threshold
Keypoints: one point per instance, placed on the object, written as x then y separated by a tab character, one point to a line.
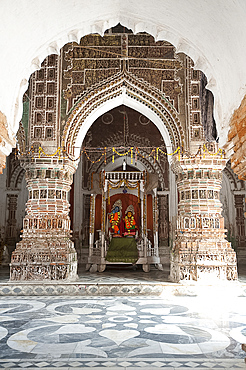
165	289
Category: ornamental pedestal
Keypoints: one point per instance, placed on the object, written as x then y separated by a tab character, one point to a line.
46	251
200	249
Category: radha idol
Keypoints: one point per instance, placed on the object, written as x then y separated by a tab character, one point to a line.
129	221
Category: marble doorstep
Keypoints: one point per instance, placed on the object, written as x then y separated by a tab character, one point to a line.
121	364
112	282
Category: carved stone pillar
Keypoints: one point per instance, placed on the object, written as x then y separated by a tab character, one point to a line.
200	249
240	229
163	229
10	235
46	251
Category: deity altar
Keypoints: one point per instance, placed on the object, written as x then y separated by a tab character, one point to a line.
123	228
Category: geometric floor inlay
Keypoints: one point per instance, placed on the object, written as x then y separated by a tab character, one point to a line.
122	320
120	332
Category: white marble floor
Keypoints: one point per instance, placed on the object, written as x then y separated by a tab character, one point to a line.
202	332
175	330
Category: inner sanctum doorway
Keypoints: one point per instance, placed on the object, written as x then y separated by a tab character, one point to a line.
119	167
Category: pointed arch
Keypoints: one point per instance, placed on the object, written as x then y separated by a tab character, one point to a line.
122	89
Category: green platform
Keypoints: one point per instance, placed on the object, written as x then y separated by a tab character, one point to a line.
122	250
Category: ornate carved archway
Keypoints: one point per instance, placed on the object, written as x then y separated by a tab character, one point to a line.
123	88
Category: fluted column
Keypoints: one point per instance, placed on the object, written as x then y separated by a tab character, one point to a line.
200	249
46	251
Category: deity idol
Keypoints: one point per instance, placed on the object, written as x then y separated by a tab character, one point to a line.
129	221
115	218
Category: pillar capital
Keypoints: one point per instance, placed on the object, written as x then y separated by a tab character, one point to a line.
48	168
207	159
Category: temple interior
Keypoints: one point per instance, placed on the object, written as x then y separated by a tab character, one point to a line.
122	224
117	161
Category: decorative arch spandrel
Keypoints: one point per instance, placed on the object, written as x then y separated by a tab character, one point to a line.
126	89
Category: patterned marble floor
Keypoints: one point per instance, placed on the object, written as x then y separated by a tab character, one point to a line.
203	332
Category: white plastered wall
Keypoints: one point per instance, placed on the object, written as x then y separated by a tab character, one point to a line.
211	32
227	199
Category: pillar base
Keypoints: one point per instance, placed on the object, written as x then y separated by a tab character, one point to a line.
203	261
44	261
